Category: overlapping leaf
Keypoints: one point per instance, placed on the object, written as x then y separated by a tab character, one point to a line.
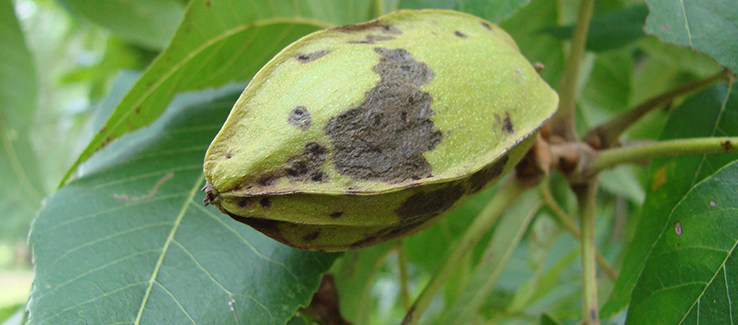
218	42
690	275
131	242
22	191
707	26
712	112
150	23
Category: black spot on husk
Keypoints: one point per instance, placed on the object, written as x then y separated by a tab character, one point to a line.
265	202
300	117
336	214
384	138
308	57
459	34
311	236
307	167
507	125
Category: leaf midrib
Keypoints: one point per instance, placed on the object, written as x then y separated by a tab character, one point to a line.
165	248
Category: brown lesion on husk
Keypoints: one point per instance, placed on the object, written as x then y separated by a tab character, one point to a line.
384	138
427	204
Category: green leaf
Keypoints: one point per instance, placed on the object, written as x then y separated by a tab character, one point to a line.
683	58
611	30
130	241
548	319
689	276
219	42
355	275
538	47
492	10
146	22
711	112
707	26
22	191
508	233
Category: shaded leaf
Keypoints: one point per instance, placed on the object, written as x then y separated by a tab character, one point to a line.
548	319
611	30
22	188
689	276
680	57
538	47
218	42
707	26
130	241
355	275
508	233
711	112
492	10
149	23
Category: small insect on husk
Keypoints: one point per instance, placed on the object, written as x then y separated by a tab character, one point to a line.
358	134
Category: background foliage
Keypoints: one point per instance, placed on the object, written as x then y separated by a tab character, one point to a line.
125	96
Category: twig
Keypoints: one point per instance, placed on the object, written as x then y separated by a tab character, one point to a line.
586	197
568	222
611	157
606	134
563	121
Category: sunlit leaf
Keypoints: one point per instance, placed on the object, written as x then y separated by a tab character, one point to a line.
131	242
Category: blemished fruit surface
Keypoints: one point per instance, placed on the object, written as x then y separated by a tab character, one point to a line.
358	134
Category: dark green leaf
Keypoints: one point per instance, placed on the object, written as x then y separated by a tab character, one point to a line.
707	26
538	47
611	30
149	23
131	242
689	276
22	188
711	112
218	42
492	10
